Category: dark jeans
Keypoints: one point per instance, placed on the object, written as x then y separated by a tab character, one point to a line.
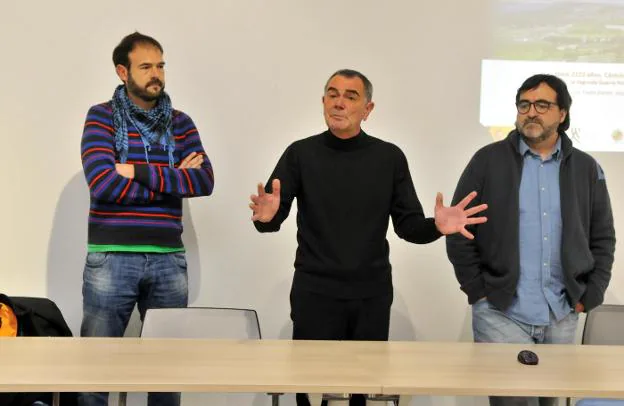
319	317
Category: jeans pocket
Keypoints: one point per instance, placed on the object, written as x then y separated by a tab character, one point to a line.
96	259
179	259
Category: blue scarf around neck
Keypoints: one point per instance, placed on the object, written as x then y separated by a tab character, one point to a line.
154	125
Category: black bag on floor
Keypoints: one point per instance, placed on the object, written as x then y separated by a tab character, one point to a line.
36	317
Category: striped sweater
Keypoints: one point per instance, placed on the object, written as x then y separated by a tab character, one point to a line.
146	210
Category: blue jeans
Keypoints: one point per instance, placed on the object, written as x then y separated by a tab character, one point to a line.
490	325
113	283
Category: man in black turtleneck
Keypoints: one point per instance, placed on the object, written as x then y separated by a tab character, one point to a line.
348	184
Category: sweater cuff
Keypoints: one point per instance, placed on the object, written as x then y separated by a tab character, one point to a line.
143	175
475	289
592	298
269	227
433	230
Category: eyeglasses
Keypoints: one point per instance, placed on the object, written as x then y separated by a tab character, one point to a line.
541	106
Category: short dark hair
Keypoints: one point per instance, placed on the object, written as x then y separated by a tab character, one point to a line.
564	100
127	45
350	73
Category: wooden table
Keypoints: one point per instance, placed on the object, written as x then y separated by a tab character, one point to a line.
407	368
180	365
467	369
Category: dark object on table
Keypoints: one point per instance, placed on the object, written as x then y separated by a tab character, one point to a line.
527	357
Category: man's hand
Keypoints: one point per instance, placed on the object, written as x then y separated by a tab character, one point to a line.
192	161
450	220
265	205
579	308
125	170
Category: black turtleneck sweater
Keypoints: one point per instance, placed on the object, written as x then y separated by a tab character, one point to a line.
346	191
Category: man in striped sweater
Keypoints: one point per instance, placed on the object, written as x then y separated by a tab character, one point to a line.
140	158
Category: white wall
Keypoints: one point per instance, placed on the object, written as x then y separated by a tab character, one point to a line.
251	74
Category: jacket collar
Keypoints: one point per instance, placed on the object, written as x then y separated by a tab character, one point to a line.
513	138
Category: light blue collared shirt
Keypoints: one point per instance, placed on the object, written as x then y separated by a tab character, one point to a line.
540	289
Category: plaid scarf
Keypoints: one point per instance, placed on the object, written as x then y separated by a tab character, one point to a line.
154	125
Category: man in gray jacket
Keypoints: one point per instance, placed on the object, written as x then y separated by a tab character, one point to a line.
546	252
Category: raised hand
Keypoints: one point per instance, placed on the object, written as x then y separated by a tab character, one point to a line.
451	220
265	205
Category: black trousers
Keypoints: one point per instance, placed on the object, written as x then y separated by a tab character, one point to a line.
319	317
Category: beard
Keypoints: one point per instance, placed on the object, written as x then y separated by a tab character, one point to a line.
143	93
545	134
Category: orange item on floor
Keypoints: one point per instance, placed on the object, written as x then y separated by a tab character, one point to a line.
8	321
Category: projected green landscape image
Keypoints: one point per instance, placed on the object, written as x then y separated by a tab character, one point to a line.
559	30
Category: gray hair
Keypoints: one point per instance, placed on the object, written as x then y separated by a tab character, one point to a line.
350	73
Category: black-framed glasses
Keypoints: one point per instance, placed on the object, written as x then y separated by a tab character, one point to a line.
541	106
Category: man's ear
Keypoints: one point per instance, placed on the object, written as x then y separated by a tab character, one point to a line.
369	107
122	72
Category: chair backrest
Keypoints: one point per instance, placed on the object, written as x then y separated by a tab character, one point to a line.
201	322
604	326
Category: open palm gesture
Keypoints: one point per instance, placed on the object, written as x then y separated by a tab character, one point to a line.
265	205
454	219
